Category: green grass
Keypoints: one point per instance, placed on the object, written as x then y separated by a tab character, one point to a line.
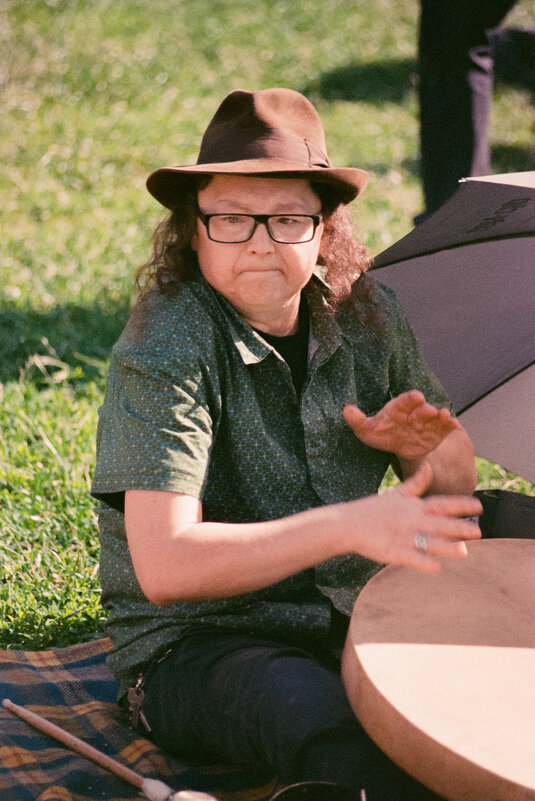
96	94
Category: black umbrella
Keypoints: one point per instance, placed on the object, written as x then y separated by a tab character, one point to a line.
466	279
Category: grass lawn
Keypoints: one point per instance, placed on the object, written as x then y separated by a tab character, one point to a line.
96	94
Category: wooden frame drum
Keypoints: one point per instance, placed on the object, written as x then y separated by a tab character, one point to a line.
440	670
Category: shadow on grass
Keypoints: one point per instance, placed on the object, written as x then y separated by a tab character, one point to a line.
504	158
512	158
391	80
44	346
387	81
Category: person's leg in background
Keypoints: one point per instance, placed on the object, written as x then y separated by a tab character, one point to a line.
455	92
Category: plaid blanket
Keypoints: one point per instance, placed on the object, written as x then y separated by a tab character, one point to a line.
73	688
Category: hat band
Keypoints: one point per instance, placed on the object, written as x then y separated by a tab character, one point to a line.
251	144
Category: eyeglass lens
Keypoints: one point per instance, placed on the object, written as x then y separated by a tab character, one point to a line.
286	228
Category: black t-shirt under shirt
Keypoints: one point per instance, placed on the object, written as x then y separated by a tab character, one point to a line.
293	348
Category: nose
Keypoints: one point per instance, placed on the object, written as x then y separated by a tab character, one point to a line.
260	242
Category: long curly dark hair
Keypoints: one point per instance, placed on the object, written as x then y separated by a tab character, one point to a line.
173	260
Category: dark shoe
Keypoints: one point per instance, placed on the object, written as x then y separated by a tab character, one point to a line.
318	791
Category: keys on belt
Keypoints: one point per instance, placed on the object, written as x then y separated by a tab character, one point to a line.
136	696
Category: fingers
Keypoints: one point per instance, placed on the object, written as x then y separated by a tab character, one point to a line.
446	549
445	416
426	413
437	550
444	543
450	529
354	418
452	505
406	426
442	518
411	407
443	513
446	539
410	401
414	405
401	527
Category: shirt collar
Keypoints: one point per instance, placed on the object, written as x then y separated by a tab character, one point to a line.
250	345
325	333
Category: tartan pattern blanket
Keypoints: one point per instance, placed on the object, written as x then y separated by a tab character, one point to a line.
73	688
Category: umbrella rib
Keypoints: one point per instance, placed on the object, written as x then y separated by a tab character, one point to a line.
443	248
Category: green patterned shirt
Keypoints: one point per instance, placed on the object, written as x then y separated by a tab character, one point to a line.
197	402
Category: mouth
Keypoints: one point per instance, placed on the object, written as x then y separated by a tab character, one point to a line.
261	270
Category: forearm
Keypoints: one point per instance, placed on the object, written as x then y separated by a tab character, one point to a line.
177	557
196	560
453	465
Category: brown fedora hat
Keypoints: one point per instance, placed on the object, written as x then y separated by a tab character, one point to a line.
275	132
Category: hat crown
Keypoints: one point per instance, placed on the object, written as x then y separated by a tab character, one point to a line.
268	132
270	123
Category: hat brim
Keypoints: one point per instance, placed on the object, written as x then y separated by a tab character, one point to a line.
167	183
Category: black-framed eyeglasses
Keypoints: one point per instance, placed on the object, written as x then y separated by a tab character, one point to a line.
288	229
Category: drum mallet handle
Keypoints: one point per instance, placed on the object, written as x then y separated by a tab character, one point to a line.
153	789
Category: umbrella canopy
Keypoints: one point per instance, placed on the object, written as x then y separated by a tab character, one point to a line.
466	279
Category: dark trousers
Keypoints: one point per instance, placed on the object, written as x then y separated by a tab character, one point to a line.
455	91
232	698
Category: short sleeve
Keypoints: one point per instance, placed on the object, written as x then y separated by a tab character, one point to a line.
155	426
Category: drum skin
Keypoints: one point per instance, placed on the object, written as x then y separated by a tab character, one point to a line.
440	670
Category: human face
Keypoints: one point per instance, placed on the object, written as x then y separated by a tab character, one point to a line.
261	278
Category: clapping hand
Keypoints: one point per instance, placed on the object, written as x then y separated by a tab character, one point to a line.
402	527
406	426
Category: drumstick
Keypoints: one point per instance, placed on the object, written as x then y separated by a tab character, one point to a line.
153	789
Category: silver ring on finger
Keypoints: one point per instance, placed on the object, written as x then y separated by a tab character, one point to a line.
421	541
